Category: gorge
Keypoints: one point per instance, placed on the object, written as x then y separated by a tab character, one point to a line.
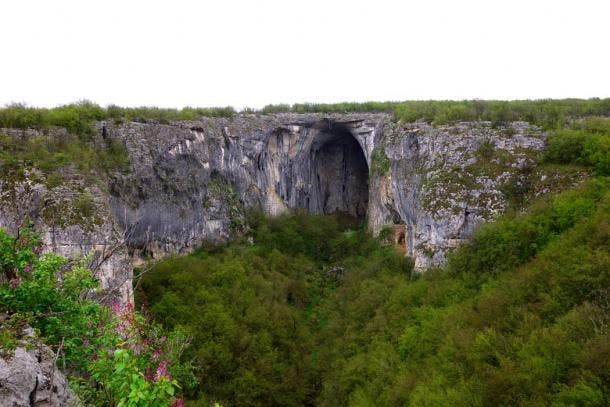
305	257
191	181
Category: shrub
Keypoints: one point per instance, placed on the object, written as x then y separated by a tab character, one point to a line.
109	352
586	143
380	164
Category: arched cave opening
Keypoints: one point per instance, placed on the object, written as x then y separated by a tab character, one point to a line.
341	173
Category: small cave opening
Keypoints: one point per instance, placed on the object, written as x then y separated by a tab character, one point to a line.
341	173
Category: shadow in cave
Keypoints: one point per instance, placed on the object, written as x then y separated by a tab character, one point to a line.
341	173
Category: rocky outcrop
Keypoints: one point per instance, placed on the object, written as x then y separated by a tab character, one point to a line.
446	180
68	230
29	377
192	181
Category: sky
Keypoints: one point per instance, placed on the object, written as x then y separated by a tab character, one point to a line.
252	53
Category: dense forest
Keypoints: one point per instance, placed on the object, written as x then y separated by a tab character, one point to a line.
312	310
316	312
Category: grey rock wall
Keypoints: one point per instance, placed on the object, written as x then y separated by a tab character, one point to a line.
191	181
29	377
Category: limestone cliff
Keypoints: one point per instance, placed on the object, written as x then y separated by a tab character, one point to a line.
191	181
29	375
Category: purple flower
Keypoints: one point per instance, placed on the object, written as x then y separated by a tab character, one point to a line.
86	341
137	348
161	371
28	268
14	283
178	403
37	249
115	306
148	375
121	329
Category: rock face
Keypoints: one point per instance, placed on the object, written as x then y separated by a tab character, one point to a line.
191	181
98	234
444	181
28	377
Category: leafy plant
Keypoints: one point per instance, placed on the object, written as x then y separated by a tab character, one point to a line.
380	163
107	351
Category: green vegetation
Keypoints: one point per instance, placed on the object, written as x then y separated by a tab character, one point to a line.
549	114
313	311
54	155
70	164
586	143
380	163
113	356
254	311
78	117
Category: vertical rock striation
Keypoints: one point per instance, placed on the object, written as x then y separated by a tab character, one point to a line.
191	181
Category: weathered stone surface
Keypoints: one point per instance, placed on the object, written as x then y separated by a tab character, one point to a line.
29	377
191	181
447	180
99	236
440	181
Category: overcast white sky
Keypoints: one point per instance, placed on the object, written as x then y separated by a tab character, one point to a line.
251	53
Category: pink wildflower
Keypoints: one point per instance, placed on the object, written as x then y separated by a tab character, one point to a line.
121	329
37	249
137	348
178	403
28	268
115	306
14	283
148	375
161	371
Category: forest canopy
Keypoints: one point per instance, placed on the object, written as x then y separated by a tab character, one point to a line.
316	312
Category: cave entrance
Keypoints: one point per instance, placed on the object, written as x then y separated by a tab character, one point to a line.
341	172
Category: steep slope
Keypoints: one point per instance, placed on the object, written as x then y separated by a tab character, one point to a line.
130	190
315	313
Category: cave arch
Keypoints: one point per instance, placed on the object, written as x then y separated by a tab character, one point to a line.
340	171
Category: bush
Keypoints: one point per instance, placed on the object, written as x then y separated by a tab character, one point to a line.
515	239
380	164
587	144
113	355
